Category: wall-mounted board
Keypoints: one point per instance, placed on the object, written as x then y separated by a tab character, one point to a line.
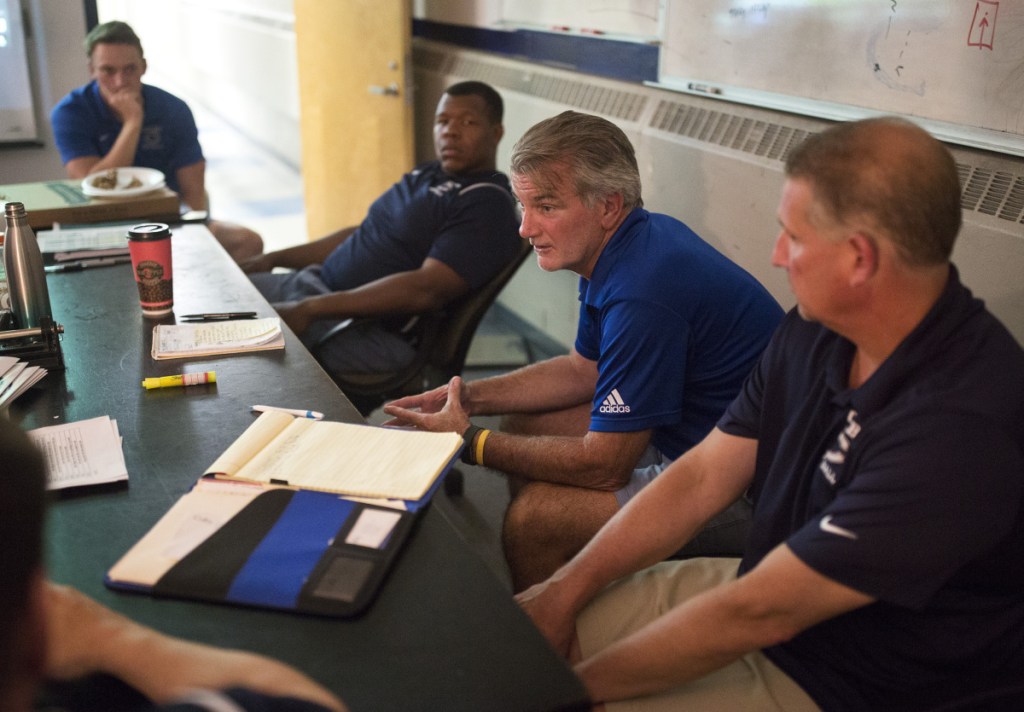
958	65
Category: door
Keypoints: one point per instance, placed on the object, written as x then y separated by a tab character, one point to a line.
355	105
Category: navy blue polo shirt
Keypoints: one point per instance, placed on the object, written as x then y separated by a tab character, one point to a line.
910	489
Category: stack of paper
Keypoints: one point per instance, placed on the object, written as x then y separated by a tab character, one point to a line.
87	452
61	245
16	377
221	337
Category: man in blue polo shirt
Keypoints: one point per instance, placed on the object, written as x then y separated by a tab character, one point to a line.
117	121
881	438
668	329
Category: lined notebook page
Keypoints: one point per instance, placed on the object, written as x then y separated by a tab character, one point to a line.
359	460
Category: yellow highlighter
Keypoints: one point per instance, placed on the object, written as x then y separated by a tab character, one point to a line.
185	379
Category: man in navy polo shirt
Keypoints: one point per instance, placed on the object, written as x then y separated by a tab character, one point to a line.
445	228
668	329
116	121
881	438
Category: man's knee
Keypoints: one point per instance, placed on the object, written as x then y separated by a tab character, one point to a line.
555	518
529	519
546	525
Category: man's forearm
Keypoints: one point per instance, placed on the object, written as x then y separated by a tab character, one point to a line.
558	460
120	155
308	253
690	641
770	604
553	384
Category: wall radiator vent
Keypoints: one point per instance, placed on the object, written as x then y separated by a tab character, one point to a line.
590	97
991	192
740	133
998	193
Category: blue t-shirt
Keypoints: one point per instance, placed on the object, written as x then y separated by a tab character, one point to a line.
83	125
909	488
674	327
467	222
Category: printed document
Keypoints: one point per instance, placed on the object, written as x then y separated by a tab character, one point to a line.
86	452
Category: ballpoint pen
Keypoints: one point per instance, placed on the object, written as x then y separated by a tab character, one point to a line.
223	316
84	264
311	414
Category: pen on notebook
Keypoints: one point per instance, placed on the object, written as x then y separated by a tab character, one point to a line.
185	379
222	316
85	264
300	413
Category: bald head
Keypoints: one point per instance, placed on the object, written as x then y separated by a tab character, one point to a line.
889	176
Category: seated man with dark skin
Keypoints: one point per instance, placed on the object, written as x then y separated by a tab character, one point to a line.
444	229
54	632
116	121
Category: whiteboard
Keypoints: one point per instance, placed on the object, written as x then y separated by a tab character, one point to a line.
956	63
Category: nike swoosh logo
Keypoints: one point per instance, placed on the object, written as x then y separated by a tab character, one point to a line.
827	526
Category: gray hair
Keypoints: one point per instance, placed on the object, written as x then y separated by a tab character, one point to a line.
600	158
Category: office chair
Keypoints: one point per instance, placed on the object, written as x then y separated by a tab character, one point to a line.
441	340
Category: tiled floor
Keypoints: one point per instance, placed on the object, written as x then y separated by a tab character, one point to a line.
250	186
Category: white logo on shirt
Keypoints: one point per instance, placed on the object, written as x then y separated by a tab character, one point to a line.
613	403
826	525
446	187
837	455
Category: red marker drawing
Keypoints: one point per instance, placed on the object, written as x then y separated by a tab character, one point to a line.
983	29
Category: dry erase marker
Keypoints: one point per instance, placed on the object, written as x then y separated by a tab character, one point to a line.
185	379
312	414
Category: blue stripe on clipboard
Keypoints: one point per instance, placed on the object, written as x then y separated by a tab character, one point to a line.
278	567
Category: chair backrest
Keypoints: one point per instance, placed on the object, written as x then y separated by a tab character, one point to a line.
443	342
458	322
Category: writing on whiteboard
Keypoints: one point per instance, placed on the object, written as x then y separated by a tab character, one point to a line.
983	25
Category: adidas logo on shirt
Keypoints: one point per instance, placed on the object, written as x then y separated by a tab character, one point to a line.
613	403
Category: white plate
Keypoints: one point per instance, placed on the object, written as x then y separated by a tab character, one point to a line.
150	178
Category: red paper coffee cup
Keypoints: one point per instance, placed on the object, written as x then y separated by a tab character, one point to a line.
149	245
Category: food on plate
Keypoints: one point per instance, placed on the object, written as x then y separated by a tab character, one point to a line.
108	181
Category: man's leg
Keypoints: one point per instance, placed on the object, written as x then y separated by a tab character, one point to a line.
752	683
547	524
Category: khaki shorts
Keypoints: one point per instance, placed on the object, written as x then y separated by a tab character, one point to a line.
751	684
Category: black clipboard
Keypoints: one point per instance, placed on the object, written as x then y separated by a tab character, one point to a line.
295	550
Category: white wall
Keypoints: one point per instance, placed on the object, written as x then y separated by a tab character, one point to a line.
236	58
57	64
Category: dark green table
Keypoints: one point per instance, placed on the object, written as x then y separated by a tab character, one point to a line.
443	633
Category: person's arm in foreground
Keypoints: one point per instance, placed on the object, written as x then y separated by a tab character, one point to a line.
596	460
85	638
773	602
